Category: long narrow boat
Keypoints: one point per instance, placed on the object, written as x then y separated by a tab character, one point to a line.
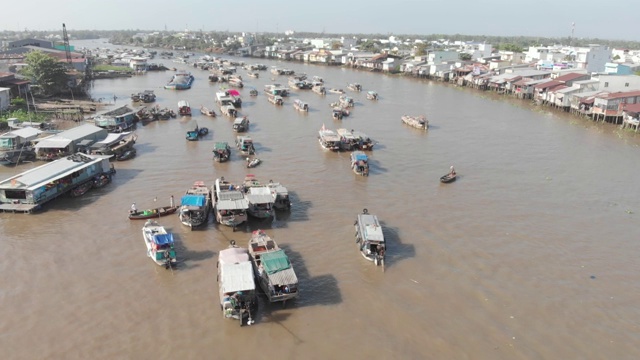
160	244
419	122
152	213
272	268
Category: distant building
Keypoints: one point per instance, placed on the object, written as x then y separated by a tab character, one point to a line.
31	42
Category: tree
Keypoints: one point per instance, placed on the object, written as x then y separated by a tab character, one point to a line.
421	49
617	57
46	72
336	45
465	56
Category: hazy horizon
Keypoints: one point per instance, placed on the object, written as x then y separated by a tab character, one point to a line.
404	17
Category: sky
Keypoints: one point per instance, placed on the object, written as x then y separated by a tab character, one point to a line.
540	18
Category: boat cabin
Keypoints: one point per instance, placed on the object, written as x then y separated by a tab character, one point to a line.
19	138
370	238
236	284
280	195
221	151
183	108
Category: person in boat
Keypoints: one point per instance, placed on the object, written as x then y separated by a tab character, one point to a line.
133	209
452	171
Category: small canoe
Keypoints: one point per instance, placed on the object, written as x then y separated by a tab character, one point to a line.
152	213
448	178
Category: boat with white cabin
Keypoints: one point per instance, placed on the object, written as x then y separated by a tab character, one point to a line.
370	238
236	284
231	204
160	244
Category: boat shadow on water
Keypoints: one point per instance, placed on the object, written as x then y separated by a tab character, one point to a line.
190	259
375	168
396	250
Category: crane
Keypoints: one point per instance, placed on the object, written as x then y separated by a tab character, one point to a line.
66	45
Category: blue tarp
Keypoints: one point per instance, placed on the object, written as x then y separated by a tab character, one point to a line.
361	157
163	239
193	200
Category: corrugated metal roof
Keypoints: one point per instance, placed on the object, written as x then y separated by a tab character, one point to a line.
233	255
260	198
284	277
48	172
238	204
53	143
372	230
236	277
26	132
80	132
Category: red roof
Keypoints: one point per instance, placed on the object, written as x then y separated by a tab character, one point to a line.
569	77
635	108
546	85
621	95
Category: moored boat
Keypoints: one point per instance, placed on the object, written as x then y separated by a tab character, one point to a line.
272	268
236	284
160	244
329	139
231	205
370	238
360	163
280	194
126	155
241	124
419	122
207	112
153	213
221	151
81	189
195	205
259	197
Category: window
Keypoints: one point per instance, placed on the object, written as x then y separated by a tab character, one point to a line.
606	84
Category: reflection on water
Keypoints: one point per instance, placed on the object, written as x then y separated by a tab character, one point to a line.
498	264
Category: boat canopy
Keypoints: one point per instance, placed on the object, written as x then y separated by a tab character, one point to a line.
193	200
233	255
236	277
238	204
233	92
370	228
275	261
220	146
163	239
183	103
359	156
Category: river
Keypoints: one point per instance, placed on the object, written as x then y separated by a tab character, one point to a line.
530	254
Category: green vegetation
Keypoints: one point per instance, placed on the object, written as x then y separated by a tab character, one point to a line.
23	115
46	72
111	67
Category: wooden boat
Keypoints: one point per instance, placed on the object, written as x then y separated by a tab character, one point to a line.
207	112
370	238
272	268
195	206
355	87
126	155
364	142
419	122
254	75
281	196
346	101
329	139
229	110
236	284
153	213
319	89
348	141
244	143
253	92
448	178
336	91
337	113
251	163
160	244
81	189
221	152
276	100
241	124
183	108
260	200
372	95
300	105
231	205
360	163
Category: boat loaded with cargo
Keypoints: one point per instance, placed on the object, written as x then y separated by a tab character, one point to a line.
195	206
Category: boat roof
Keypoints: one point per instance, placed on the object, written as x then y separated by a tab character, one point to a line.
238	121
183	103
233	255
220	146
193	200
260	198
372	231
279	189
37	177
111	139
236	277
329	135
279	268
346	133
236	204
163	239
359	155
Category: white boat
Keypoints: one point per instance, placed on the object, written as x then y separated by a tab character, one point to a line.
370	238
300	105
236	285
272	268
160	245
276	100
329	139
260	202
419	122
348	140
280	194
251	163
231	205
360	163
195	206
319	89
241	124
355	87
372	95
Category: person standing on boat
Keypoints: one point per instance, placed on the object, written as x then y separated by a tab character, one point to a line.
133	209
452	171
